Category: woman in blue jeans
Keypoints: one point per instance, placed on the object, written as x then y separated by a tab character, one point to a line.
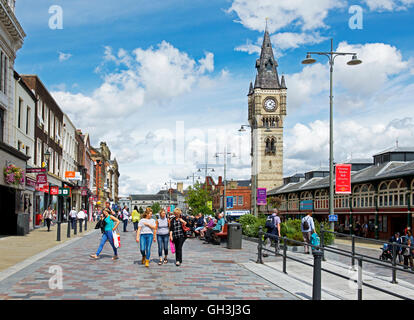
163	237
107	235
146	234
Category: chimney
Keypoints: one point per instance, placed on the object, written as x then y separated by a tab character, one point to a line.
180	187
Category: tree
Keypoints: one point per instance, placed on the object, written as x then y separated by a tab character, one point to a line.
141	210
197	198
156	207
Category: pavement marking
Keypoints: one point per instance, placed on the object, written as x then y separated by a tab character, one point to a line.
27	262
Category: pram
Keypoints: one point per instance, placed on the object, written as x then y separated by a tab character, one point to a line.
386	253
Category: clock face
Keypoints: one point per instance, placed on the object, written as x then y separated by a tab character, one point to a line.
270	104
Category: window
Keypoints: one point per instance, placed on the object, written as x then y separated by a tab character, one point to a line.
240	200
1	70
46	118
52	125
38	152
19	145
27	151
1	124
27	119
19	115
5	75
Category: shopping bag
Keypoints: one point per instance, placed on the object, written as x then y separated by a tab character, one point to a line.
172	246
117	239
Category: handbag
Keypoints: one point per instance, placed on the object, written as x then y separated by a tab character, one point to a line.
172	246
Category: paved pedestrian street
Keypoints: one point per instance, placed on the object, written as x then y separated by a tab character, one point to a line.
207	272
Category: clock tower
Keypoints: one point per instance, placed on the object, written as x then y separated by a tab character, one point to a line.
267	111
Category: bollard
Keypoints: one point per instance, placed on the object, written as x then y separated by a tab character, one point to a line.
86	224
58	231
80	225
284	254
394	264
317	275
353	252
75	231
323	242
259	247
359	278
68	231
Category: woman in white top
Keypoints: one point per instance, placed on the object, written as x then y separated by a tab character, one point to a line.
146	234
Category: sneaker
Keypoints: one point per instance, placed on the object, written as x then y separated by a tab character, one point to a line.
115	258
147	263
160	262
177	264
143	260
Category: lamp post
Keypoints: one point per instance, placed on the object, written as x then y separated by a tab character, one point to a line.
206	168
98	165
169	190
254	185
225	154
354	61
193	176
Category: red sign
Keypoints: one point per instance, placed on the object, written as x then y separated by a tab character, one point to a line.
30	182
42	188
84	192
35	170
54	191
168	209
343	179
41	178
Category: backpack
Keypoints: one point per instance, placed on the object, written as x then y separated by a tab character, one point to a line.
305	224
270	223
315	240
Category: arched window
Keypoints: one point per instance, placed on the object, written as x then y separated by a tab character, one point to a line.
277	122
273	146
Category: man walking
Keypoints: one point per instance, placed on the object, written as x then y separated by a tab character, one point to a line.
81	217
273	227
125	217
308	227
72	216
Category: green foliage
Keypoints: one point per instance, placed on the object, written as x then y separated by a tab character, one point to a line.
197	198
141	210
156	207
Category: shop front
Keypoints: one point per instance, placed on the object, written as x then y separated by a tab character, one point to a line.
15	221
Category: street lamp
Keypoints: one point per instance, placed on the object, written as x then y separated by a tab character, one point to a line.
47	158
225	154
354	61
169	190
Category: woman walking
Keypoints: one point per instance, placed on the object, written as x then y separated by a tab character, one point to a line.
48	216
177	235
135	218
163	236
145	235
107	235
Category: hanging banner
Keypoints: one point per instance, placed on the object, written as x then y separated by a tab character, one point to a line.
261	196
229	202
343	179
41	178
54	191
35	170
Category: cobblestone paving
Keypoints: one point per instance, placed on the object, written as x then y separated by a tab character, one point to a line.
207	272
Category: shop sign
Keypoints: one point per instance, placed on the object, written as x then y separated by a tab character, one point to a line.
54	191
42	188
343	179
35	170
30	182
41	178
64	192
306	205
261	196
229	202
72	175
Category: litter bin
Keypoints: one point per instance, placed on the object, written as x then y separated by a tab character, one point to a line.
234	236
38	219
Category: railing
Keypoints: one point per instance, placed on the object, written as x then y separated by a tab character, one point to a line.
318	254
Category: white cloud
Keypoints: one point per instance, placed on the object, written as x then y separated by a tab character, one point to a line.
291	40
388	5
308	15
64	56
249	47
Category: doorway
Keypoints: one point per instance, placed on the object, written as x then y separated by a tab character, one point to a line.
8	226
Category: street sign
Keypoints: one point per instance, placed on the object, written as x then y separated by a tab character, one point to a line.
229	202
64	192
333	218
261	196
306	205
343	179
41	178
35	170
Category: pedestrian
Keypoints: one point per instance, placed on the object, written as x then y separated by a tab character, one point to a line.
48	216
273	228
163	237
365	230
409	252
94	216
177	235
73	215
125	218
307	227
108	233
199	224
146	234
398	249
136	216
81	217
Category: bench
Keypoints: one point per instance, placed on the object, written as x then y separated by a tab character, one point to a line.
223	235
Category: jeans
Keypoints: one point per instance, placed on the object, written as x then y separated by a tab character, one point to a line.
163	242
73	223
107	236
48	223
135	226
178	242
125	225
306	239
274	239
145	244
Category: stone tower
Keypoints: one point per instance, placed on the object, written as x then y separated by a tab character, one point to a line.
267	110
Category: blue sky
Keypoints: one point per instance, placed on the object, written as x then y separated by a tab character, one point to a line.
130	69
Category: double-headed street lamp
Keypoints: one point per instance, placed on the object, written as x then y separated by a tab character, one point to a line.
225	154
193	176
206	168
354	61
169	190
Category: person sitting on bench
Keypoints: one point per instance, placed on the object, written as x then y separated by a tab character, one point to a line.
219	227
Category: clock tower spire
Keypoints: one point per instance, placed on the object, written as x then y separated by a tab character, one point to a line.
267	111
